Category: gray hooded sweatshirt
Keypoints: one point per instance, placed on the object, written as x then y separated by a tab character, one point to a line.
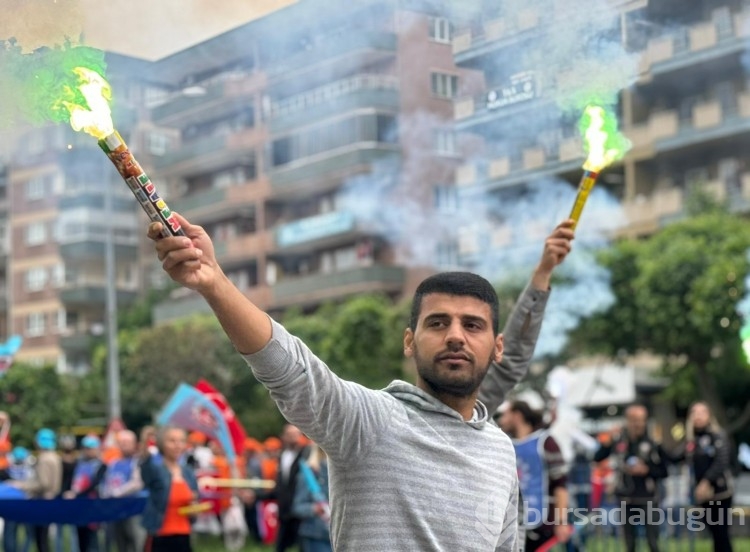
407	472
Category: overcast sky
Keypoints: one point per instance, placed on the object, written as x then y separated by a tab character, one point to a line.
143	28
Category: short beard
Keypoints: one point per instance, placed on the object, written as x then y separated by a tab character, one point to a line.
427	372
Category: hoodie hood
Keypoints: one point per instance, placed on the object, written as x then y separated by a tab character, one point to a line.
408	393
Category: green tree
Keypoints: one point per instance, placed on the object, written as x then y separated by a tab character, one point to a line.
37	397
676	296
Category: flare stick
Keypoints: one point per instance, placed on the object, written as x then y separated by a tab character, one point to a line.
584	189
140	184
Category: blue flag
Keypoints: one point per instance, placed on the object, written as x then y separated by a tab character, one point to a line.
192	410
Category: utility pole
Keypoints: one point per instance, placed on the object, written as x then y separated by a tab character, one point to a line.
113	360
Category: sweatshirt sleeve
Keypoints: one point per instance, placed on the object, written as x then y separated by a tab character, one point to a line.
508	541
343	417
520	336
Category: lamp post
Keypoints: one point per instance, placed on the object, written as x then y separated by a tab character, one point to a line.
113	364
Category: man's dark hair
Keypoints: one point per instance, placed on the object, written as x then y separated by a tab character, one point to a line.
460	284
534	418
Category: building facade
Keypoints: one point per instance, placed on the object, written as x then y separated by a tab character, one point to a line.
686	114
271	135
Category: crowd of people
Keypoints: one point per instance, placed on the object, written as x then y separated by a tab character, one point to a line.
410	467
167	463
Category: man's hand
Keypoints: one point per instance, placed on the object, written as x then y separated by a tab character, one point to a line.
704	491
639	469
189	260
556	248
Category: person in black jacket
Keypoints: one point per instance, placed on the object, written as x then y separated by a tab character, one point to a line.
286	486
707	451
639	464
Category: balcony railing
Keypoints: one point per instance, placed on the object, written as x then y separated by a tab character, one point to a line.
213	94
496	33
706	40
205	153
533	162
322	286
331	47
710	120
335	161
314	228
327	93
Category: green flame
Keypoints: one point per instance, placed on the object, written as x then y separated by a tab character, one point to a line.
35	87
603	141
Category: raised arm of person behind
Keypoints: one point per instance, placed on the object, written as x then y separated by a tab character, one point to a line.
522	328
393	452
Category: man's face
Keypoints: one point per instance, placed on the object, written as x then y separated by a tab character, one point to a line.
91	453
453	343
507	421
635	420
291	436
127	444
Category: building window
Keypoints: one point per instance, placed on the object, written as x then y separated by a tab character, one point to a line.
444	85
445	142
35	324
61	321
157	143
447	255
36	279
37	188
446	199
36	233
440	29
58	275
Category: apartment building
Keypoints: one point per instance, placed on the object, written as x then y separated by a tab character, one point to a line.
268	123
4	248
687	115
63	197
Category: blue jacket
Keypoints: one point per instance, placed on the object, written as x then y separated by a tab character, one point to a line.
158	482
311	525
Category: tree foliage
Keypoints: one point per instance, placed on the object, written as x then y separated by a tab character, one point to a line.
37	397
676	296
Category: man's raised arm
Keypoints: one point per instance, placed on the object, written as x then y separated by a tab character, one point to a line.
525	322
343	417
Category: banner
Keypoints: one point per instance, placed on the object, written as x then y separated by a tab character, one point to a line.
78	511
236	430
8	352
190	409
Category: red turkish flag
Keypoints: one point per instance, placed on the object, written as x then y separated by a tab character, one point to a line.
235	428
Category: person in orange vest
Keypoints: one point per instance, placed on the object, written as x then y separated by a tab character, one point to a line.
5	448
269	464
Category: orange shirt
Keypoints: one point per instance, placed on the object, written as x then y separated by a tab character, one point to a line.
175	523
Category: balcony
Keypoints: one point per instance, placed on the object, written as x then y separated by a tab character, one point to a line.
503	172
190	303
379	91
212	152
517	97
700	43
496	34
332	57
316	288
91	292
319	230
243	247
182	307
216	203
333	165
77	342
709	121
220	98
94	247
